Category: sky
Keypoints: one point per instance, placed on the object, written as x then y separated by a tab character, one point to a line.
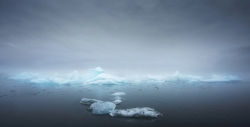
199	37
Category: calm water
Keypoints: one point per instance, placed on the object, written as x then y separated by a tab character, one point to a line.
182	105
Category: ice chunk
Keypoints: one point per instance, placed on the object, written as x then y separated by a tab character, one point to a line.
102	107
117	101
87	101
135	112
118	93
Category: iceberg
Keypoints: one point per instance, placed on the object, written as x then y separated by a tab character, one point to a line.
118	93
117	102
87	101
97	76
39	80
135	112
105	79
184	78
100	107
176	77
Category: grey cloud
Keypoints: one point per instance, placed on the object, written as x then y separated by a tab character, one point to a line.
143	36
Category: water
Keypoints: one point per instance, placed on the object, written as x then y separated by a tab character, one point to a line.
182	105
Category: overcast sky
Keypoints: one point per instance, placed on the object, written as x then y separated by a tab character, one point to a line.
200	37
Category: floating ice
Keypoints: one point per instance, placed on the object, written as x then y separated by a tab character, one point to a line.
98	77
87	101
118	93
117	101
105	79
100	107
178	77
117	98
135	112
217	78
97	71
39	80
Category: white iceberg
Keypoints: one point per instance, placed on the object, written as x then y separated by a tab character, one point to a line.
135	112
87	101
102	107
117	102
118	93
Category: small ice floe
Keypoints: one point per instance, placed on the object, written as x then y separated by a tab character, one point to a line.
87	101
117	98
101	107
135	112
118	94
117	102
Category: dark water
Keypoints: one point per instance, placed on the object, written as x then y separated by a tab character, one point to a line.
182	105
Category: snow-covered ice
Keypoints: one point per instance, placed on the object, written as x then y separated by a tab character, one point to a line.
101	107
87	101
135	112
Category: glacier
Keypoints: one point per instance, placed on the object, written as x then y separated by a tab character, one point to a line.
101	107
97	76
135	112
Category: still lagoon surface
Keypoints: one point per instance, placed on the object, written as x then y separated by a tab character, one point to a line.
220	104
